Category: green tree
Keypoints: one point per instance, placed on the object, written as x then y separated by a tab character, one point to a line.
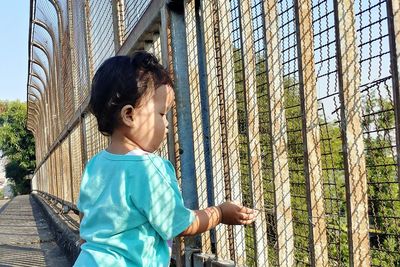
383	190
17	144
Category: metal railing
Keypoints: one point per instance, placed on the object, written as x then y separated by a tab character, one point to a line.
290	106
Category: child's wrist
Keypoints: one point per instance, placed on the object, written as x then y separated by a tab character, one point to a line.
220	214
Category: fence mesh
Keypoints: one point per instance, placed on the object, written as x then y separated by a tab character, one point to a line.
379	131
240	146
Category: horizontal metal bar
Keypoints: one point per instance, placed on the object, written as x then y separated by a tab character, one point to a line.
70	205
146	20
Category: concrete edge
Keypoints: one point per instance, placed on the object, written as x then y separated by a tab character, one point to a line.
6	204
65	237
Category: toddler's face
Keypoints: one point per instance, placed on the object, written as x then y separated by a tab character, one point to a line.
150	120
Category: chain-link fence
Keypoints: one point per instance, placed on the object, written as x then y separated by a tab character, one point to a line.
290	106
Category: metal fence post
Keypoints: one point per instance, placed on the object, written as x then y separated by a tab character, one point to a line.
182	95
65	161
184	117
311	134
352	135
393	8
231	132
164	42
283	210
253	146
71	169
196	109
221	235
118	22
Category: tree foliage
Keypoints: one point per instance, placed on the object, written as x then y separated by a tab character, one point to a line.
16	143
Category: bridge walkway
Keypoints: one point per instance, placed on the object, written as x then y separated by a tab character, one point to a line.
25	236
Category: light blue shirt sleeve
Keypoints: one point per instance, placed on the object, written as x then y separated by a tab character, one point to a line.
83	182
158	197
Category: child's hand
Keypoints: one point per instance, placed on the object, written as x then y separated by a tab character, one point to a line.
233	213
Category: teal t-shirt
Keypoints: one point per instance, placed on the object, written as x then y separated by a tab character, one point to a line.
132	205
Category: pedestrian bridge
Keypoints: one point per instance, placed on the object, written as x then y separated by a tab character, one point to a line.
290	106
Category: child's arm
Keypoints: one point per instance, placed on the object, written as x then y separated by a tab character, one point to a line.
226	213
80	241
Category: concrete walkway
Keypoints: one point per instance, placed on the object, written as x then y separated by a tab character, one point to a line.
25	238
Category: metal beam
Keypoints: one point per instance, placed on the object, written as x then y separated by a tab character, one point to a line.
195	108
230	137
311	134
278	132
54	104
118	22
393	8
221	239
165	59
253	132
184	119
352	134
146	20
38	63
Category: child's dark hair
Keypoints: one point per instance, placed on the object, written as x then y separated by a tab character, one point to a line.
123	80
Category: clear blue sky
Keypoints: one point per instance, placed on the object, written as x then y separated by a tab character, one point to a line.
14	27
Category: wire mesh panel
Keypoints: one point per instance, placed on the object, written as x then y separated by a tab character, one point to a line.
379	131
133	11
157	45
67	103
40	65
80	67
264	122
249	145
48	184
94	140
154	46
44	55
52	173
47	13
101	31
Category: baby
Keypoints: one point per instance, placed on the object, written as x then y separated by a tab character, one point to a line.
129	197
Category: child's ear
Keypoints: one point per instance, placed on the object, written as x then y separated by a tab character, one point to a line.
127	113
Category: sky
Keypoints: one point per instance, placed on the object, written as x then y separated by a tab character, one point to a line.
14	30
